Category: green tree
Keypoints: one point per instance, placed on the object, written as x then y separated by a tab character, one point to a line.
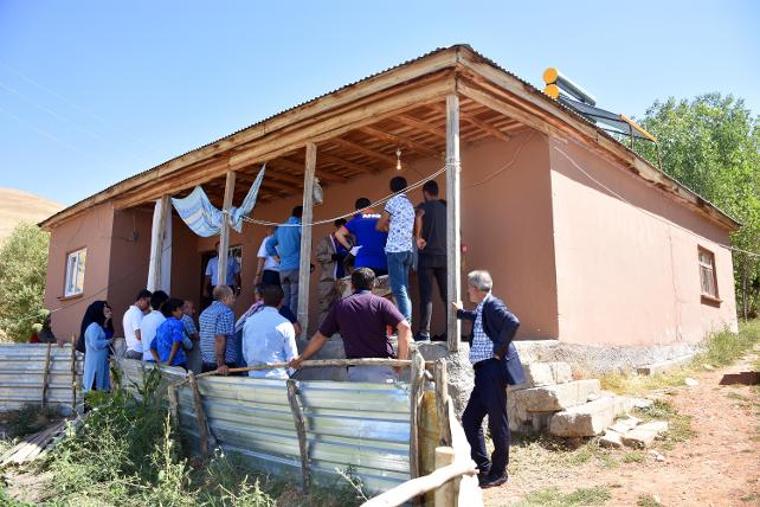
711	144
23	264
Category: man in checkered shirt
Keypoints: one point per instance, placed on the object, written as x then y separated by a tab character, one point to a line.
496	364
218	350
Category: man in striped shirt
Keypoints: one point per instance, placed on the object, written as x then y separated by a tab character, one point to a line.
217	323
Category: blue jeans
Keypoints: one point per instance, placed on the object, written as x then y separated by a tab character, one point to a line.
398	272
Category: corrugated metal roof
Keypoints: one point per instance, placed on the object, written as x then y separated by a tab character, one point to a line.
528	86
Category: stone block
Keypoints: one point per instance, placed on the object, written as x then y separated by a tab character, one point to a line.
545	374
585	420
663	366
625	425
659	427
557	397
639	438
611	439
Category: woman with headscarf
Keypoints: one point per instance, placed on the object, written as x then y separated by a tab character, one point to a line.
95	326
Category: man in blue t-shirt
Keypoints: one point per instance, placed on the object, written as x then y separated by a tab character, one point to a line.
370	243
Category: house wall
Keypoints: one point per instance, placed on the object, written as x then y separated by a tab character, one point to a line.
130	256
506	226
626	262
92	230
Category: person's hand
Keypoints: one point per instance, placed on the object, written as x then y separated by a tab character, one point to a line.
421	244
277	258
295	363
457	305
223	370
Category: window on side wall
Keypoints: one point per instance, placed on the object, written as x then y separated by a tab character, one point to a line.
707	275
75	262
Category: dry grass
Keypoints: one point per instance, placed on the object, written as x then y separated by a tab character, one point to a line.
17	206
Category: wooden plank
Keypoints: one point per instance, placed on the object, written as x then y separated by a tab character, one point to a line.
417	385
224	237
161	212
46	375
270	149
200	414
442	398
453	219
421	125
304	273
74	380
444	495
300	425
171	394
412	489
353	166
401	141
382	157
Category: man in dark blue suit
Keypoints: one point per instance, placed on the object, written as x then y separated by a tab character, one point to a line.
496	363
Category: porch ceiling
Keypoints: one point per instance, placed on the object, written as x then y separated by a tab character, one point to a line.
419	131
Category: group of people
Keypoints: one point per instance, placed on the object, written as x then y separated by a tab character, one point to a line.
162	329
389	243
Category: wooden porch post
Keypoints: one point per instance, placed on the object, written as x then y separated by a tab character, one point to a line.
224	236
454	219
160	242
304	274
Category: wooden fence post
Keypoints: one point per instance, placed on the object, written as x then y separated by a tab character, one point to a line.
200	414
417	384
441	398
46	375
445	496
298	420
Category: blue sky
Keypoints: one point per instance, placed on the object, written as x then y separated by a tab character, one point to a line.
92	92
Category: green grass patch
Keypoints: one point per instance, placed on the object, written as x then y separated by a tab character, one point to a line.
647	501
128	454
634	457
679	425
553	497
720	349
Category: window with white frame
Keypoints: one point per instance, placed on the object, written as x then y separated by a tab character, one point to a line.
707	273
75	262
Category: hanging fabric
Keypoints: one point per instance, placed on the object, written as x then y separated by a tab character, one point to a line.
205	220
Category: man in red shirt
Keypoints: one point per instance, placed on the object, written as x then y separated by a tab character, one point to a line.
362	319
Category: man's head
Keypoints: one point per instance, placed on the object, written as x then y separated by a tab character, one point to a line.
157	299
142	301
272	295
398	184
479	285
430	190
339	223
224	294
361	203
297	212
173	308
363	279
188	308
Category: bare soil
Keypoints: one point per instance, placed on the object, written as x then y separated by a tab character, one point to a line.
719	465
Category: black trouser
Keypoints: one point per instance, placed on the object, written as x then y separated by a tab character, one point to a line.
488	397
430	266
269	277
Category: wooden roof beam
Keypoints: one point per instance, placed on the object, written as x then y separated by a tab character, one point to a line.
364	151
299	166
334	159
400	141
413	122
482	125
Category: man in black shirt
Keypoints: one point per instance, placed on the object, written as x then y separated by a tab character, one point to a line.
430	233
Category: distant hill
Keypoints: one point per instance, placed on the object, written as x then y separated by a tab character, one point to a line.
18	206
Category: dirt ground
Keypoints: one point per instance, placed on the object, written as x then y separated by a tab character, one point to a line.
719	465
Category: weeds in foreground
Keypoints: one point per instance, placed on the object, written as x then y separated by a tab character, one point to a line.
647	501
720	349
552	497
679	425
128	454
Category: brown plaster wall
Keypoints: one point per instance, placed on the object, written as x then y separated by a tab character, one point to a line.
92	230
627	265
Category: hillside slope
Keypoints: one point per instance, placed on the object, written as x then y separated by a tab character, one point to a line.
18	206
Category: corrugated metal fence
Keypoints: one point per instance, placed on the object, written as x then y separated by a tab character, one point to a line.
27	377
361	425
